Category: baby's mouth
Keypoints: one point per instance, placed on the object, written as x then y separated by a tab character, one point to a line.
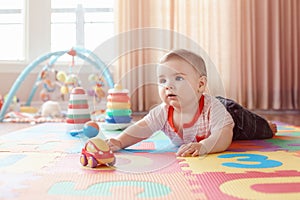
171	95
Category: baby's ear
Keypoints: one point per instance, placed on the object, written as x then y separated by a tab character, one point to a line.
202	82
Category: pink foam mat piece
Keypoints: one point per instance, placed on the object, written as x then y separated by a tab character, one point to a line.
257	185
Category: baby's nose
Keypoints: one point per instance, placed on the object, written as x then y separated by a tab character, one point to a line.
169	86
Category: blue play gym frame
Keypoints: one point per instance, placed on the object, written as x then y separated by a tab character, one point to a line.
82	53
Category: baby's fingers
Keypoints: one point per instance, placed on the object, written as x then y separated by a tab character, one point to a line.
196	153
181	149
113	144
186	150
191	149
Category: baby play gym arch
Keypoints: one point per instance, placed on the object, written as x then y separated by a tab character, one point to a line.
82	53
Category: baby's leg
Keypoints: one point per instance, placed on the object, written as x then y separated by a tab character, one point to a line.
248	125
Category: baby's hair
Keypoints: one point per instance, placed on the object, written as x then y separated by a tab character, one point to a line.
195	60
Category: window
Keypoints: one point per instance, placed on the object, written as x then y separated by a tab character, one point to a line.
85	23
52	25
11	30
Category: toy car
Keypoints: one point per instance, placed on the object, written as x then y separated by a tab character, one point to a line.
97	152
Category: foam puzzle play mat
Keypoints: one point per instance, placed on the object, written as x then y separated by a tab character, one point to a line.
43	162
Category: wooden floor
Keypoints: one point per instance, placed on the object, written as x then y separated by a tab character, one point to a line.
289	117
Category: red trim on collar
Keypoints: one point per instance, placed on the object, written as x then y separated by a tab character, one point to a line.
187	125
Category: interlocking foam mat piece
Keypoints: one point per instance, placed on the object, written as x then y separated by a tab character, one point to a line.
42	162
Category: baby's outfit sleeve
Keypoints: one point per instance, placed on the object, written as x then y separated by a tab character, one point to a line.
218	119
219	116
157	118
151	123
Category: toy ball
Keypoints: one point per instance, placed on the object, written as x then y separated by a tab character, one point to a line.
90	129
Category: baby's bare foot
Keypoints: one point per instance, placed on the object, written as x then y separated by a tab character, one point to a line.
273	127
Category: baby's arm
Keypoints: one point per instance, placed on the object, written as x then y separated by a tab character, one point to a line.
132	135
218	141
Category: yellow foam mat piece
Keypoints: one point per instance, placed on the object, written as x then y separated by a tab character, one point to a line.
240	162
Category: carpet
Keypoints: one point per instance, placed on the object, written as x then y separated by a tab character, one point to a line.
42	162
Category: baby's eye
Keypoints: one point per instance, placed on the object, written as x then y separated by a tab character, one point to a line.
162	81
179	78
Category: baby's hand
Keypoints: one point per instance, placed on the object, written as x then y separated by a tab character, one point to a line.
114	144
191	149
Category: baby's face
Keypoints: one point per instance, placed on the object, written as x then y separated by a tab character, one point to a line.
178	83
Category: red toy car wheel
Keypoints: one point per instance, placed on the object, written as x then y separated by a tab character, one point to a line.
83	160
92	162
112	163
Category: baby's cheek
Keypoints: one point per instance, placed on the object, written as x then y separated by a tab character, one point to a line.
161	92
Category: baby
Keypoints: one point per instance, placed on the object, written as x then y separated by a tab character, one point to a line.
196	122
